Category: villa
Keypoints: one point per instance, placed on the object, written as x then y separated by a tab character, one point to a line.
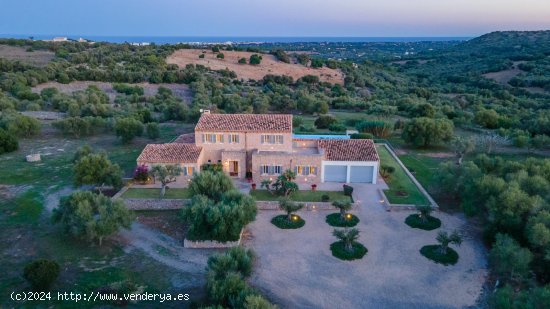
262	147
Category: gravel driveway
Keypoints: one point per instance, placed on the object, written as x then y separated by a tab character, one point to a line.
296	269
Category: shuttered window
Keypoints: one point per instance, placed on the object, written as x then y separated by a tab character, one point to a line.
271	169
305	170
272	139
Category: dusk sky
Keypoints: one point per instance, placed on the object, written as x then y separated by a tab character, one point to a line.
271	18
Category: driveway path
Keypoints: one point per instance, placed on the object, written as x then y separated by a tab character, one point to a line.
296	269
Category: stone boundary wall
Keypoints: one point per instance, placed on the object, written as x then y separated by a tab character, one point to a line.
155	204
411	176
211	244
274	205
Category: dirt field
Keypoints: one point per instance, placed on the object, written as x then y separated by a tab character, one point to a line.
150	90
269	65
38	57
503	77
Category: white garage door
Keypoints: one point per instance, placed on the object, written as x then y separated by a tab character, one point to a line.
335	173
362	174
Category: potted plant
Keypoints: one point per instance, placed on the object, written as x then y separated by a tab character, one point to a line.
313	187
253	186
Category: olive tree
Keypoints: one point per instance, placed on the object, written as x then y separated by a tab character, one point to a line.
344	206
91	216
165	174
289	207
96	169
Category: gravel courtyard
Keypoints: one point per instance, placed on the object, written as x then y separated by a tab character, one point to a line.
296	269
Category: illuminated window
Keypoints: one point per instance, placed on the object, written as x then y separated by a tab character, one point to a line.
305	170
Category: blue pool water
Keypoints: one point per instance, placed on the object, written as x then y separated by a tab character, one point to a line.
319	136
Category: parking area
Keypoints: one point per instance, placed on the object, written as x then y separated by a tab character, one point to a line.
296	269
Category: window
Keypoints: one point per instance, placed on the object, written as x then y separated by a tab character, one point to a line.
188	170
305	170
233	138
271	169
212	138
271	139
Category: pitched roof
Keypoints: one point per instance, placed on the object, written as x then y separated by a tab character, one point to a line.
245	122
186	138
349	149
170	153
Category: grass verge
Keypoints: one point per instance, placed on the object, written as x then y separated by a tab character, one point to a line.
282	222
340	252
402	189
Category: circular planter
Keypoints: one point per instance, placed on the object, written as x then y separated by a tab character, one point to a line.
338	251
282	222
416	222
432	252
334	219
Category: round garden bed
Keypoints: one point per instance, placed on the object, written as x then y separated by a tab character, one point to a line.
336	220
282	222
339	251
432	252
415	221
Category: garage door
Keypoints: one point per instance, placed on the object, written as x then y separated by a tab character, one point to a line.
335	173
361	174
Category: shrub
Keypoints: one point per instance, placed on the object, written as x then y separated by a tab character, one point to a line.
282	222
424	132
297	121
380	129
211	184
325	198
348	190
335	220
386	170
337	127
323	122
362	136
8	142
220	56
432	252
255	59
242	61
236	259
152	130
128	128
415	221
128	90
201	56
338	250
316	63
141	173
41	274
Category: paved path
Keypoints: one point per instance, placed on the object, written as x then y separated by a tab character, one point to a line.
296	269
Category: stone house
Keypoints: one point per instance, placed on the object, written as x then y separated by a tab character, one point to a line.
262	147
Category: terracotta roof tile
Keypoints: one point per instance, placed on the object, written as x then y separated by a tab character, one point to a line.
170	153
187	138
245	122
349	150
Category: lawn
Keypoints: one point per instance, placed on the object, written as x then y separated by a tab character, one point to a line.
300	196
402	189
174	193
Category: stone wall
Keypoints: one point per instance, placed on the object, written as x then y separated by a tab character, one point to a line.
211	244
155	204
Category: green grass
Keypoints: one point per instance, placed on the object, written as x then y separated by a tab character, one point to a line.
147	193
414	221
300	196
24	209
399	182
281	221
334	219
432	252
338	250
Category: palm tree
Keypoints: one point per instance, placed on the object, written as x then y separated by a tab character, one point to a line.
445	239
424	212
344	206
348	237
289	207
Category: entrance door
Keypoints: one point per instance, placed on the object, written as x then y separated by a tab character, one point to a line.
234	168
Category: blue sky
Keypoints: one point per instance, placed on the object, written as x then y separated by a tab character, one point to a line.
271	18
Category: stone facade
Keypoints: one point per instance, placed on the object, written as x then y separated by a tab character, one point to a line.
307	157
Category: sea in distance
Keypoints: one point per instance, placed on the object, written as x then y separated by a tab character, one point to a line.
234	39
